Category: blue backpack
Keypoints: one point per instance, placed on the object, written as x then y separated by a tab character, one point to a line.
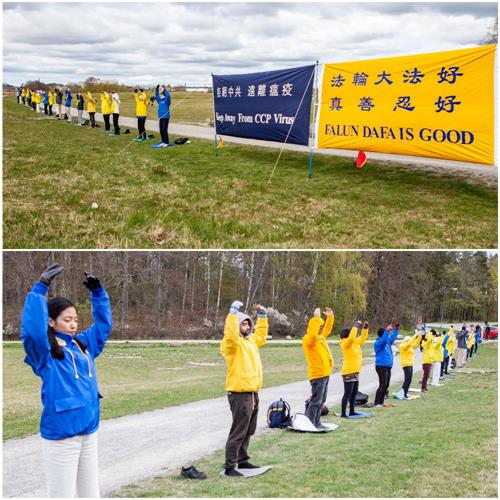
278	414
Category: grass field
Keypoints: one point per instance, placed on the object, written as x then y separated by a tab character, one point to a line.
441	445
186	197
136	378
187	107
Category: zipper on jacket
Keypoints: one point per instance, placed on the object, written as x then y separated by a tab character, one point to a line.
86	357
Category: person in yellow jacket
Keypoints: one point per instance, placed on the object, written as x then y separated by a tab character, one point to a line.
52	101
106	104
427	359
23	95
240	348
470	343
352	360
141	111
451	345
438	357
319	362
406	355
91	108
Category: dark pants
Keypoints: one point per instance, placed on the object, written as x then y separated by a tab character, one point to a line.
444	366
425	377
19	99
141	125
350	393
33	105
106	122
476	344
164	130
384	379
408	371
92	119
244	408
24	100
319	388
116	117
50	109
46	109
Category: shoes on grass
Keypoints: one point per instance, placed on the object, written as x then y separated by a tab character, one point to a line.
192	472
233	473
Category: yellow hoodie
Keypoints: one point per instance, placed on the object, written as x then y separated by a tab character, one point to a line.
316	350
352	353
141	104
244	368
23	92
428	349
406	351
91	104
105	103
52	99
439	349
451	344
470	340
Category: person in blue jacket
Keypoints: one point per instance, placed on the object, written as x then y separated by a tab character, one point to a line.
384	360
19	93
162	96
64	360
446	356
477	337
67	103
46	102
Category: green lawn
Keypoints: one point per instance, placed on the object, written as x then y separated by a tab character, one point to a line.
137	378
441	445
186	197
186	107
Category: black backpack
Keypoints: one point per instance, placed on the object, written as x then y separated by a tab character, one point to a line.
278	414
324	408
361	398
181	140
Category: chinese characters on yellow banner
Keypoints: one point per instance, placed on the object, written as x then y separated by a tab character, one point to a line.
439	105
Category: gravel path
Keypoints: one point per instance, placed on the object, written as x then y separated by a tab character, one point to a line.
139	446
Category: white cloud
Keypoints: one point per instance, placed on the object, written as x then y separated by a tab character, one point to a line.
147	42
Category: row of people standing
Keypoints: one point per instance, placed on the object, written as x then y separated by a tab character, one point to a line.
110	107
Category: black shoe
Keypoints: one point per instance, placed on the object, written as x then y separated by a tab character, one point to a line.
322	428
247	465
233	473
192	473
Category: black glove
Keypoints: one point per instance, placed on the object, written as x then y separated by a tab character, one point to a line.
157	87
50	273
91	282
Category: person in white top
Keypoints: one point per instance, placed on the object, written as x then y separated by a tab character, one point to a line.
115	109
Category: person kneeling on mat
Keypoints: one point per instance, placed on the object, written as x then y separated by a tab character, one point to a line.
240	348
319	362
407	356
352	355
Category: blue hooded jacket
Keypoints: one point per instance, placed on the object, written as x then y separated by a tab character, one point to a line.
68	98
46	98
70	394
163	103
382	348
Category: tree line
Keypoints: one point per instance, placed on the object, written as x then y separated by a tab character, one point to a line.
187	294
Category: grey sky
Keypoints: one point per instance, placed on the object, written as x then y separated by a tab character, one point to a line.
185	42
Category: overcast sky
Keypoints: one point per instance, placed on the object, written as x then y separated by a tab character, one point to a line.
186	42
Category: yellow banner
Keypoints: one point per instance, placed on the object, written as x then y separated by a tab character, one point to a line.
439	105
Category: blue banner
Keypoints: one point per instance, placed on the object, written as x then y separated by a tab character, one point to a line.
271	105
